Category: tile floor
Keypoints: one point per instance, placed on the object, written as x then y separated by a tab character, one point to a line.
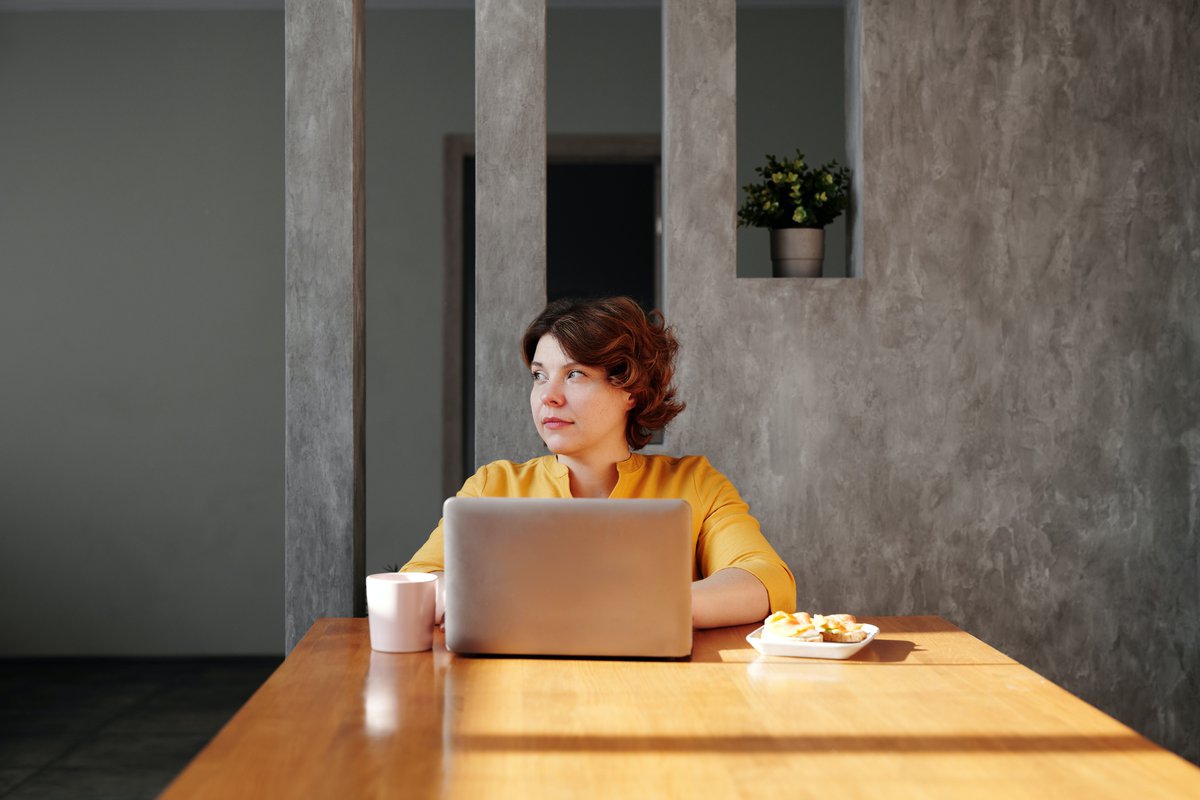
113	728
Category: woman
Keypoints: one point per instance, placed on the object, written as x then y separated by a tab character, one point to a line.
601	382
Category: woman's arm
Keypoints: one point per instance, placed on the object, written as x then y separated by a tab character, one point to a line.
730	596
731	541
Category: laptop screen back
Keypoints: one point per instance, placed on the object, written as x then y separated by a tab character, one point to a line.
568	577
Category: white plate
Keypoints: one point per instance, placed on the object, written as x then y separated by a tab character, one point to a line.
838	650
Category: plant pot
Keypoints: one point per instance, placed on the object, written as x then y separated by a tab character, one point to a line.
797	252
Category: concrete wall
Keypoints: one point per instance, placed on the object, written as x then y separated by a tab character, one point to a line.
999	423
510	212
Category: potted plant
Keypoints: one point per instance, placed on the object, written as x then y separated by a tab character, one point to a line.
796	202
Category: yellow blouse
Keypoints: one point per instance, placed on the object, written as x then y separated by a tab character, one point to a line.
724	534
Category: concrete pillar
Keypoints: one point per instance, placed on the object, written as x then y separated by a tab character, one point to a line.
325	234
510	217
699	144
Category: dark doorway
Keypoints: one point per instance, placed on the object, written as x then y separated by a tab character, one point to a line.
601	231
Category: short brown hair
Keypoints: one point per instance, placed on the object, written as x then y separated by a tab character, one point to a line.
635	349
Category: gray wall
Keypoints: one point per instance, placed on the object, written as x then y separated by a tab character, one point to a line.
999	423
141	333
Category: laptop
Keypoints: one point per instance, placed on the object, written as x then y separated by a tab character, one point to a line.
568	577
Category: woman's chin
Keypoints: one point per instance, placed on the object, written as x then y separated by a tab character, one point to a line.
558	446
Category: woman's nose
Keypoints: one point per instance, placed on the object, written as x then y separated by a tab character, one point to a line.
552	394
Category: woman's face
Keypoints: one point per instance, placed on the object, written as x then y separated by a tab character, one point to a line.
576	410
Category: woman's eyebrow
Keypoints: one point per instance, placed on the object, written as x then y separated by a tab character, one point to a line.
567	365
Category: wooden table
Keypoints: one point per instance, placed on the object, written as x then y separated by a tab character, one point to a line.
925	711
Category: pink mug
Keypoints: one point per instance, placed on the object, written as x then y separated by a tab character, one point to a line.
400	611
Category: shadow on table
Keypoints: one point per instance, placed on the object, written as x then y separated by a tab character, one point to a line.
847	743
884	651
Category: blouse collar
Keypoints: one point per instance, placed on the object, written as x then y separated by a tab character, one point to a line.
559	470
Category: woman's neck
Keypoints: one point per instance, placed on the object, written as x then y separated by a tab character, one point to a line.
594	476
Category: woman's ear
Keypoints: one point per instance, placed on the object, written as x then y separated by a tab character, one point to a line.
629	402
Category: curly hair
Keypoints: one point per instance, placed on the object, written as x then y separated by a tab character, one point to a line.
635	349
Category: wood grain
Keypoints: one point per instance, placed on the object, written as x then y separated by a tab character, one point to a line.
925	711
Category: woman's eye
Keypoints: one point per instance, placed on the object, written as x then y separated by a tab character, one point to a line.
538	377
575	373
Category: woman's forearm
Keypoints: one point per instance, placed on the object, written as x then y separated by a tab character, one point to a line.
730	596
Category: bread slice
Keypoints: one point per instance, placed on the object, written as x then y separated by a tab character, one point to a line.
790	627
842	628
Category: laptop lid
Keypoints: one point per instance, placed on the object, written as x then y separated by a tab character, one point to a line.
568	577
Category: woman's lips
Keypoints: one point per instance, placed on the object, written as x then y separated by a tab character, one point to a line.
554	423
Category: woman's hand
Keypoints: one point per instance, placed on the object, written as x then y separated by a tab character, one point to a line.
730	596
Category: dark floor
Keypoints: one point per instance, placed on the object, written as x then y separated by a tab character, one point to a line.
113	728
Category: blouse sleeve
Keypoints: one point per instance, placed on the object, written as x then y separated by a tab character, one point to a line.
431	557
731	537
